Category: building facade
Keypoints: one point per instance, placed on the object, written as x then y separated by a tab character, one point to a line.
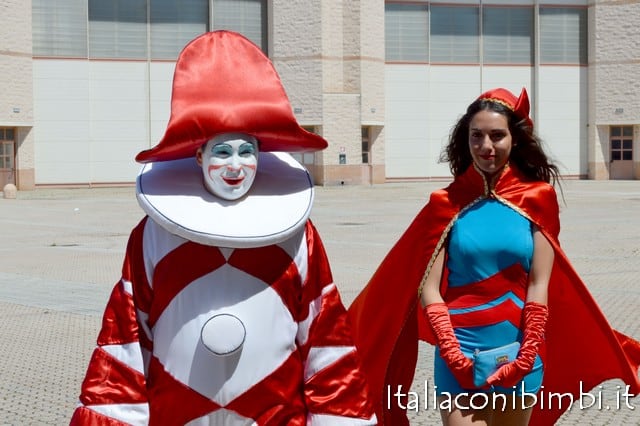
86	84
17	151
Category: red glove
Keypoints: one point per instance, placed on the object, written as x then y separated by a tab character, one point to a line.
535	320
437	315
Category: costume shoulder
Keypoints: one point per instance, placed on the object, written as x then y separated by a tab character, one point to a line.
536	199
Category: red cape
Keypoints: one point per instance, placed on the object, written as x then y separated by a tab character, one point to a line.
581	346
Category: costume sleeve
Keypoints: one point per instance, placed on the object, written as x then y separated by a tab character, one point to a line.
335	389
114	391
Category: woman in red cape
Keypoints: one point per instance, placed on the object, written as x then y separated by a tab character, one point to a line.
388	320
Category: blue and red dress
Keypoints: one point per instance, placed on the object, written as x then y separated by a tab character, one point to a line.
489	256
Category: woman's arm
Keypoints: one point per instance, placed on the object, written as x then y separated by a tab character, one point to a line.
437	315
534	313
541	266
431	289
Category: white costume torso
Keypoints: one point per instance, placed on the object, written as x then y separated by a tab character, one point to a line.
208	328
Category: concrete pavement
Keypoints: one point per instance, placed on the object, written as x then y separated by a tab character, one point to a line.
61	252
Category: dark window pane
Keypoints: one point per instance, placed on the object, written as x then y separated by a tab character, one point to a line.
406	32
563	35
174	24
455	34
248	17
615	155
627	155
616	131
627	144
9	134
117	29
507	35
59	28
627	131
616	144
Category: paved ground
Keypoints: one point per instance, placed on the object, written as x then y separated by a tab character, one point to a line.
61	252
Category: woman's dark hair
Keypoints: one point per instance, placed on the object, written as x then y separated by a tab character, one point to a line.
526	154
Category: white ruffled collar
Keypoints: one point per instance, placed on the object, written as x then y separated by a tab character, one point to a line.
276	207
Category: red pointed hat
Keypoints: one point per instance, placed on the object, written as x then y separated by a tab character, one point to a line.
224	83
519	105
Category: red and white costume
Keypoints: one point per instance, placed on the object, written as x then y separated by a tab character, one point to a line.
226	313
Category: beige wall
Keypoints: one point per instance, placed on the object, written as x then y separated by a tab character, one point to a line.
614	78
330	56
333	70
16	85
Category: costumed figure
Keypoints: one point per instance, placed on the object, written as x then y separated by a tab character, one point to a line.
483	257
226	312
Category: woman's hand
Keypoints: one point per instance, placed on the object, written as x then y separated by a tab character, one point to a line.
535	320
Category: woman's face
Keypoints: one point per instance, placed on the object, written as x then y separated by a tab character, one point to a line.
490	141
229	163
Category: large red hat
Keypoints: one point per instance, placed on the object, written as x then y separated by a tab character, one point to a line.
519	105
224	83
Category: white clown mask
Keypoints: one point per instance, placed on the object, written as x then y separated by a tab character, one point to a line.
229	163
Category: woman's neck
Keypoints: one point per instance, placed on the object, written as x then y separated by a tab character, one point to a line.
491	178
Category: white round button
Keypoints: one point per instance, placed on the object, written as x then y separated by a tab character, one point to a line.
223	334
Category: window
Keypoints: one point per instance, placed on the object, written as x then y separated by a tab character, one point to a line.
450	34
6	155
507	35
118	29
59	28
7	134
563	35
406	28
247	17
6	149
455	34
621	138
366	145
174	23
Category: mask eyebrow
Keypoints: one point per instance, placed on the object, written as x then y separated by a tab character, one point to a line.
248	146
221	147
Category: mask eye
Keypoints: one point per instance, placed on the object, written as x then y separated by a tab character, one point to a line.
221	150
247	149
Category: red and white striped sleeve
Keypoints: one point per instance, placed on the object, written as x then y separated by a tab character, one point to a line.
335	388
114	390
